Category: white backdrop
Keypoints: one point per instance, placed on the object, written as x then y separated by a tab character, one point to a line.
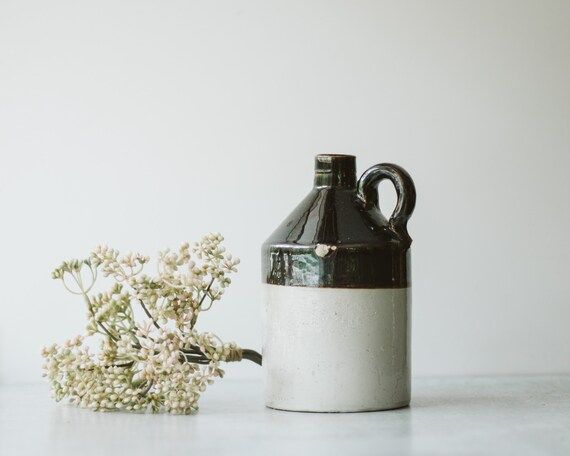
142	124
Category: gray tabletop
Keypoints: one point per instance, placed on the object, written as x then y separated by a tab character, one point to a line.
523	415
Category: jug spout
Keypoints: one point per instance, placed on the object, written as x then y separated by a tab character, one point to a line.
332	170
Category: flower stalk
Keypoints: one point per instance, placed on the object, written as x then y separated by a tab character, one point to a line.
162	363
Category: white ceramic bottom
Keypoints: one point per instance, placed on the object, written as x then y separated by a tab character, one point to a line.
336	349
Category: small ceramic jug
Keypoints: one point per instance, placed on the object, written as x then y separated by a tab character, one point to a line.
336	277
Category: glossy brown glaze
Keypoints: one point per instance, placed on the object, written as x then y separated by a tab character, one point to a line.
337	236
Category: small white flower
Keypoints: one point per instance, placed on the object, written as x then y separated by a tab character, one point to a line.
140	366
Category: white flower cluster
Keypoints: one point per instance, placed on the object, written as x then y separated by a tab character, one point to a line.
162	364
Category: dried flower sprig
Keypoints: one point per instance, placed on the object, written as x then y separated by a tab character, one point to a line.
162	364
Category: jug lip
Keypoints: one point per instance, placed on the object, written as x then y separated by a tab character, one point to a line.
335	170
336	155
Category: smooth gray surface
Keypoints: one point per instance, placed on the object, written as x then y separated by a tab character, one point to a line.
470	415
142	124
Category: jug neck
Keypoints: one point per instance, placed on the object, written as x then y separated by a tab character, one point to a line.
335	171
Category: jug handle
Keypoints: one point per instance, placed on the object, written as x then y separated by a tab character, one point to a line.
367	194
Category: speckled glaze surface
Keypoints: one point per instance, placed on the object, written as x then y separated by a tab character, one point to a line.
337	294
336	349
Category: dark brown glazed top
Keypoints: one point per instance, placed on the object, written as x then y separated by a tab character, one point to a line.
337	236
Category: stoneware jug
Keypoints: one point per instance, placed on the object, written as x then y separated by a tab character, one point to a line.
336	286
